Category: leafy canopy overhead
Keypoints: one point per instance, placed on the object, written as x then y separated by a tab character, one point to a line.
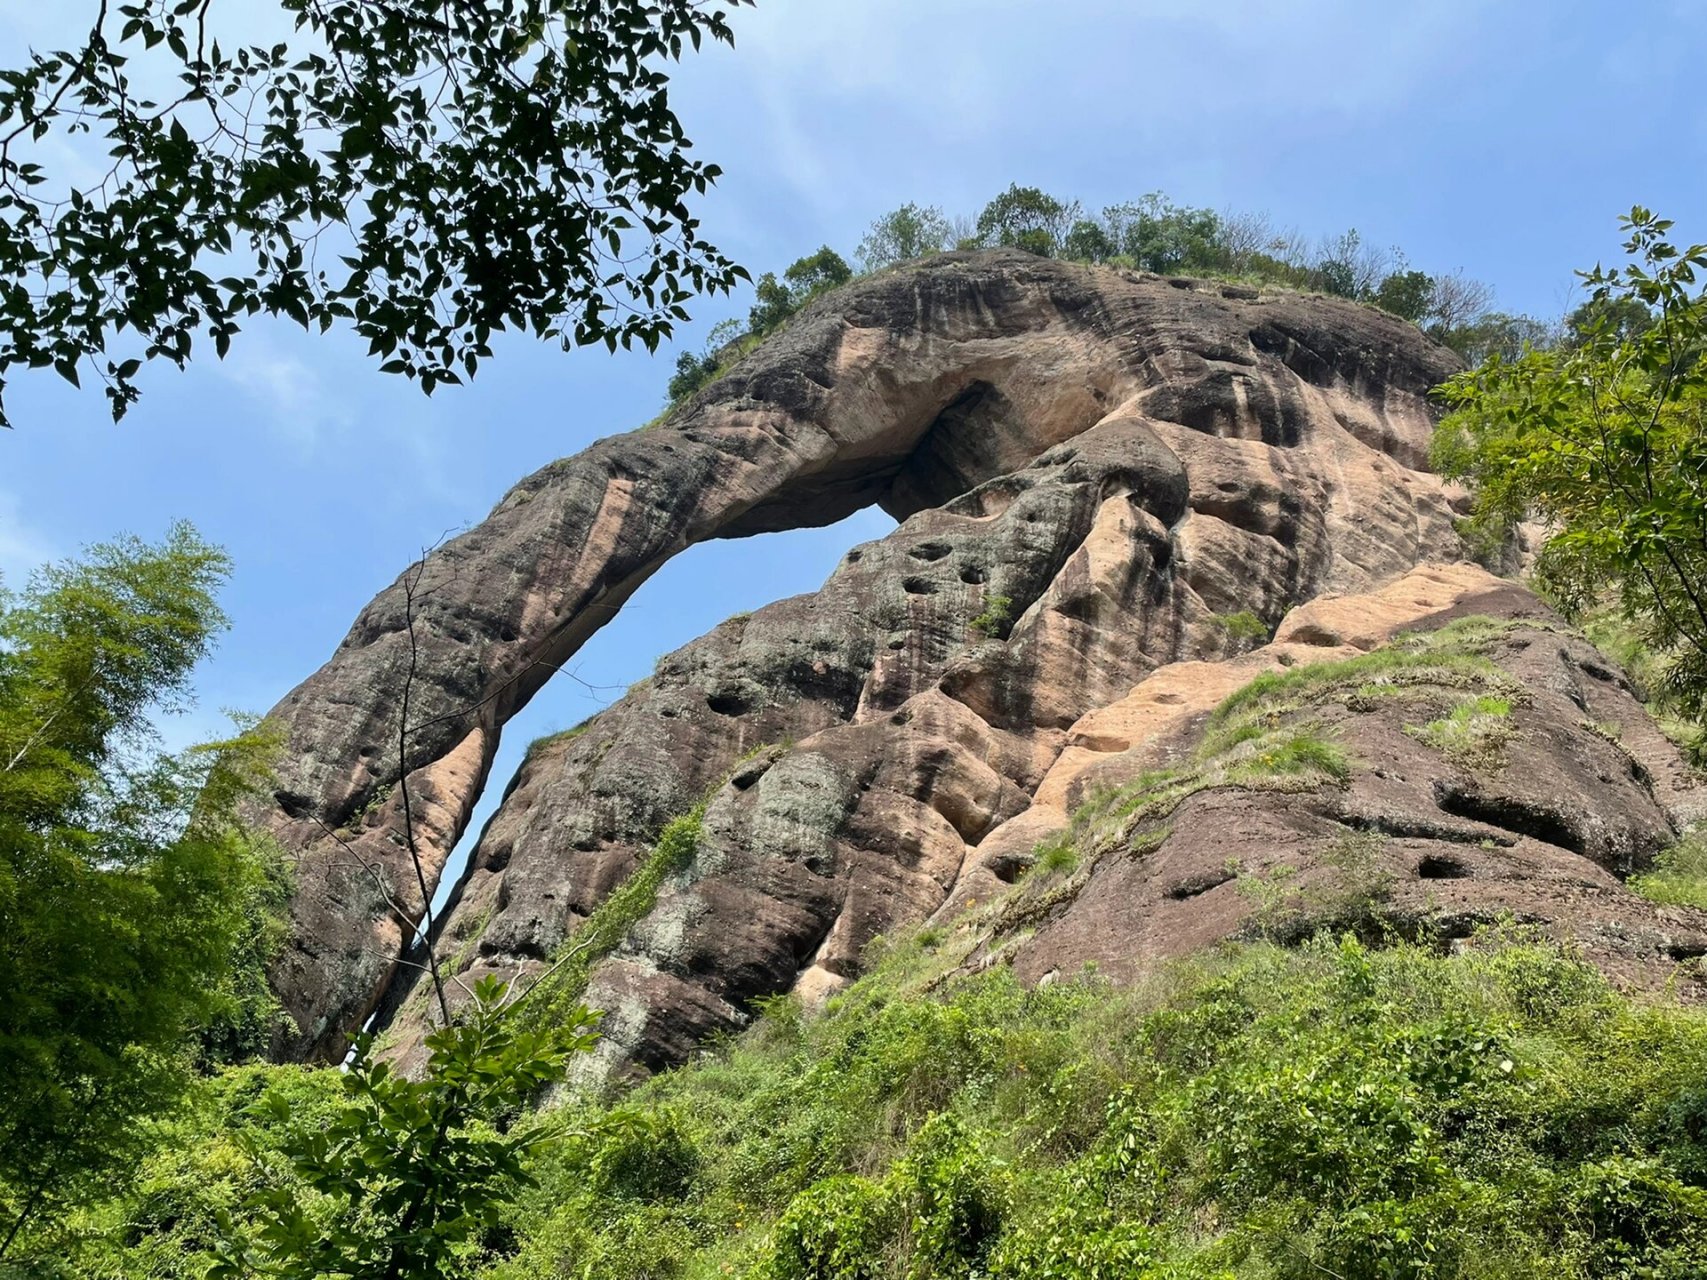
430	174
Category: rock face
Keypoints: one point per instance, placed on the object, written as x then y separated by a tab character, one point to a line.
1106	485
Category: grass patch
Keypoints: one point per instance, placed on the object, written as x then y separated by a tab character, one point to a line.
1295	757
1679	874
1057	857
1259	1111
562	735
1474	734
625	906
1451	658
1262	737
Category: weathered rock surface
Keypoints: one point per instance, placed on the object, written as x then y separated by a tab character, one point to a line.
1539	831
1094	472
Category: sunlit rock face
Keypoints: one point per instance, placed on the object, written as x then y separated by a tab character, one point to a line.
1093	471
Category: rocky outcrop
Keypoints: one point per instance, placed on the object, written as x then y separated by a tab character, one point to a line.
1104	482
1529	812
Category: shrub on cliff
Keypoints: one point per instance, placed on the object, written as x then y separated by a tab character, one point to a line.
1330	1109
1604	440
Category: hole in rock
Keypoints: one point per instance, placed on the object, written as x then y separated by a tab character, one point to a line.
1199	884
918	586
728	704
1438	867
1514	815
930	551
686	598
972	575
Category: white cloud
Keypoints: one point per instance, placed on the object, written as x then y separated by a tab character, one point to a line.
299	406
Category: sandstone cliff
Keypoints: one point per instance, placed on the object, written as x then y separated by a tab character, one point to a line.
1108	486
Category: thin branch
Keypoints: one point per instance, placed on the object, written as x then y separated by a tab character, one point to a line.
410	582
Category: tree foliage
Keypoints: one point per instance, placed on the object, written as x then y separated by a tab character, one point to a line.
397	1182
774	301
1155	234
128	889
1163	237
429	174
1604	439
1026	218
809	276
912	231
1406	294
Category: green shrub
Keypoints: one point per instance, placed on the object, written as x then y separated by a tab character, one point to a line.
693	370
639	1154
997	617
1262	1111
201	1166
955	1197
837	1229
1679	875
1243	626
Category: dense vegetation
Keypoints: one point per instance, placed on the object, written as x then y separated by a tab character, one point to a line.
1149	234
1297	1104
132	903
1329	1109
138	914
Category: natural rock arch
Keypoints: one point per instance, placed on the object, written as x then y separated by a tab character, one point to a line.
1123	457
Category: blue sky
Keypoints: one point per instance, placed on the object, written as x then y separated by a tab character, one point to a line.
1493	136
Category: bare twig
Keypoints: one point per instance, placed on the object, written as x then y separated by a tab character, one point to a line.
412	580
